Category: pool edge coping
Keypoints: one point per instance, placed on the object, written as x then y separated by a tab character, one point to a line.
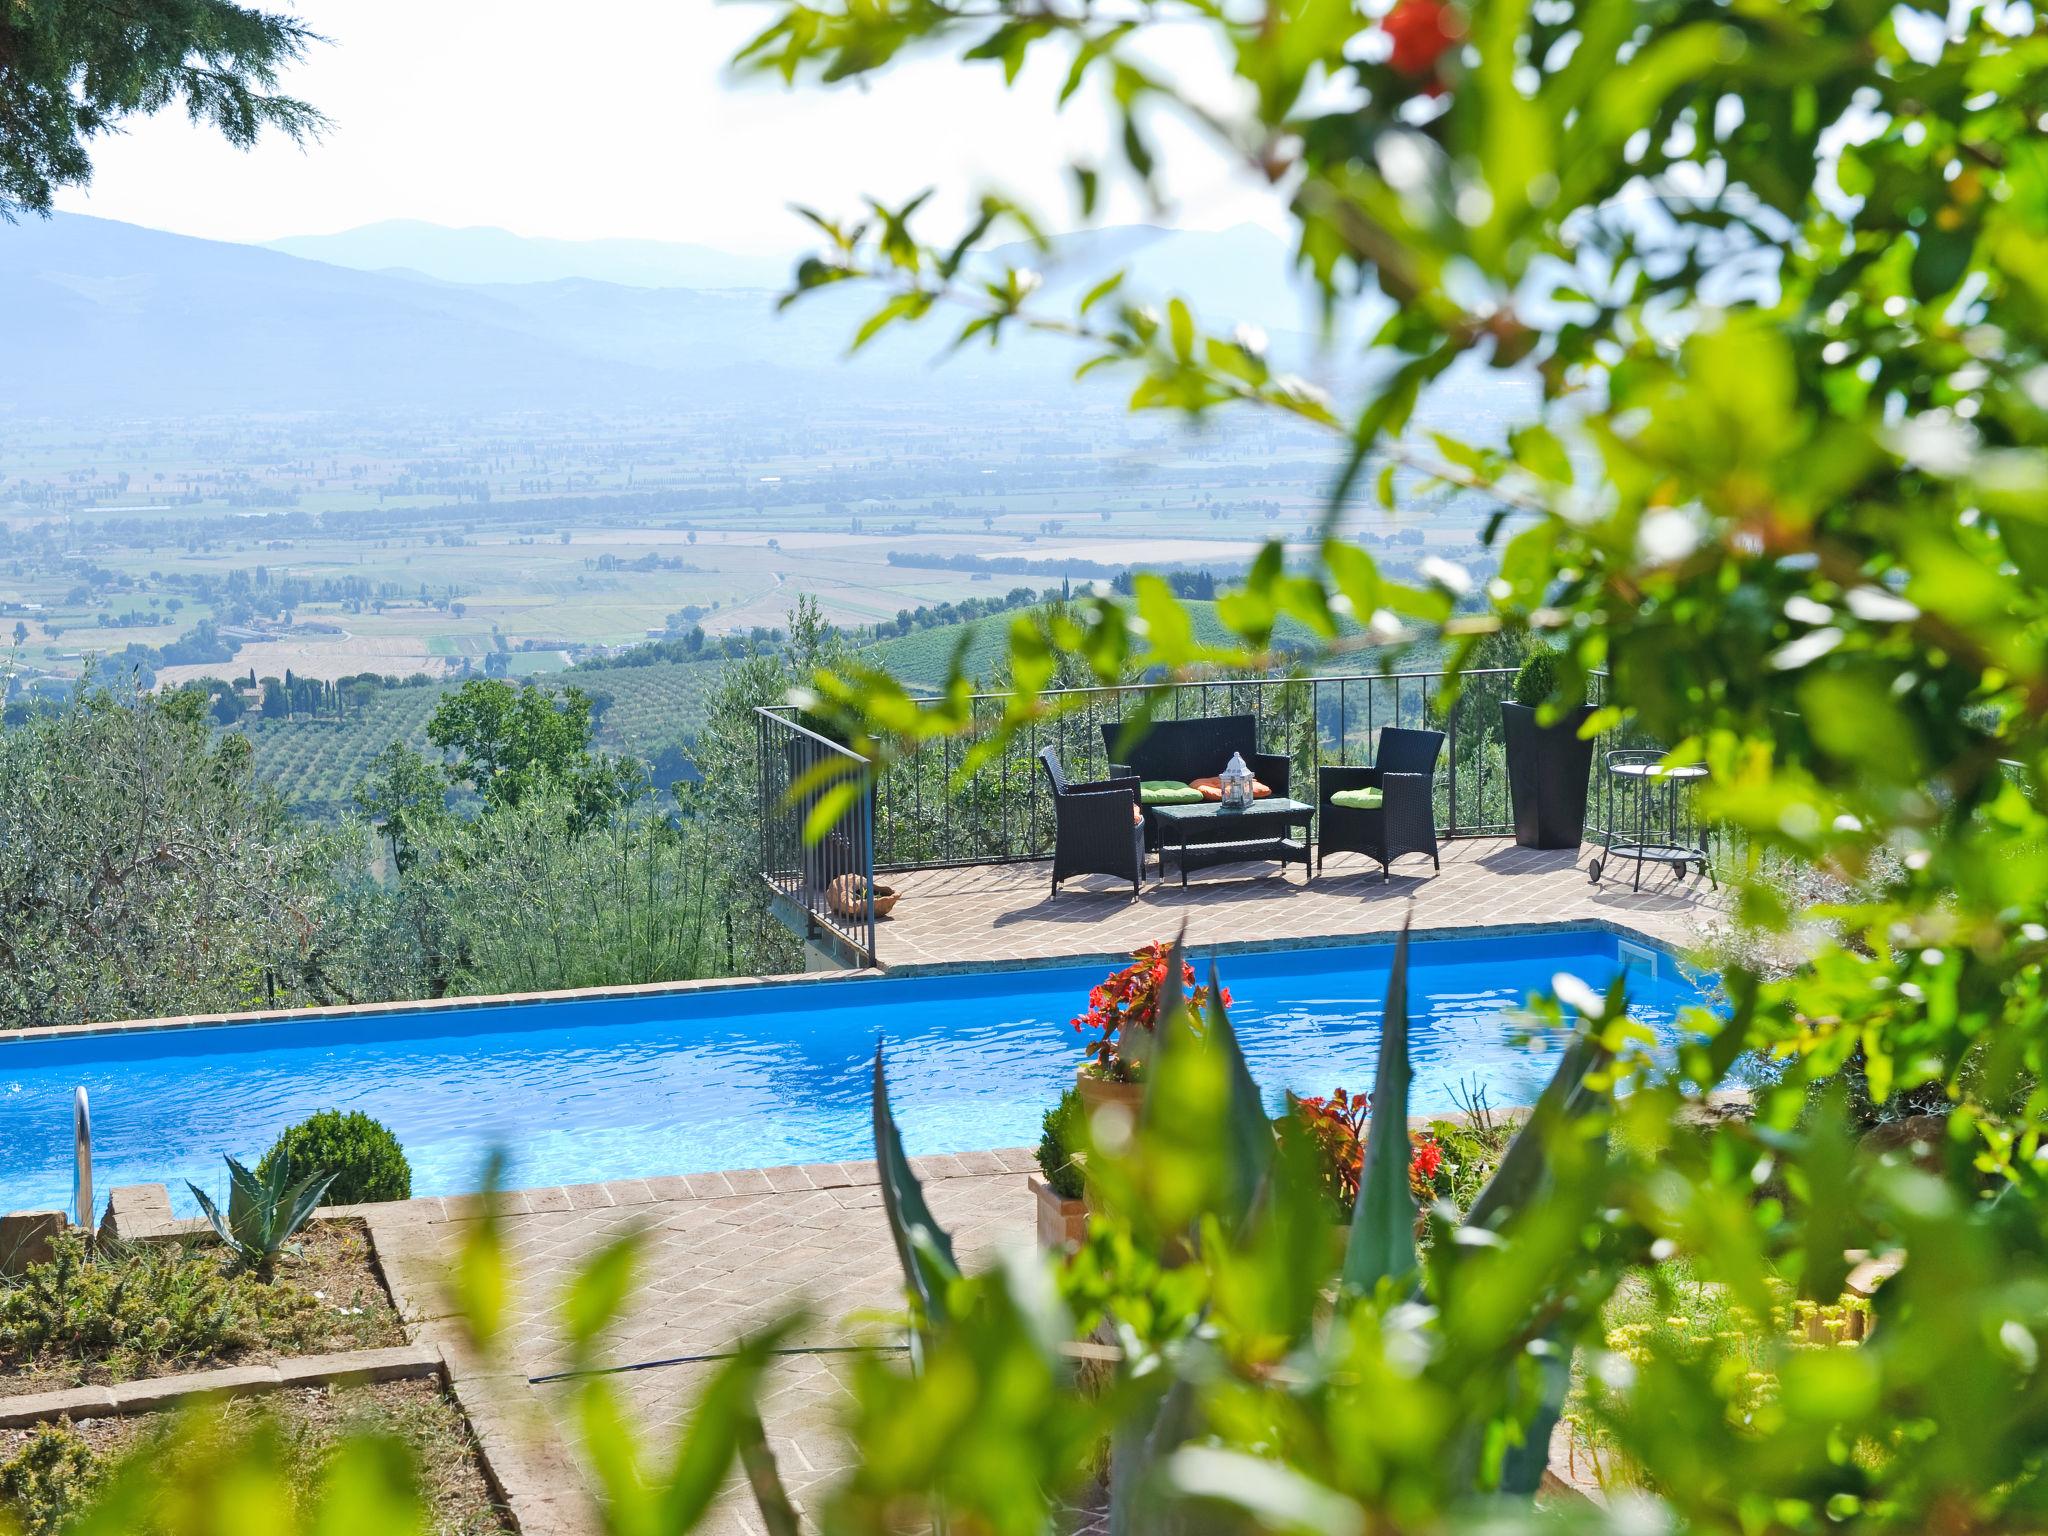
935	968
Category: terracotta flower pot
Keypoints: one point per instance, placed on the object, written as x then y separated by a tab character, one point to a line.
848	896
1062	1224
1097	1091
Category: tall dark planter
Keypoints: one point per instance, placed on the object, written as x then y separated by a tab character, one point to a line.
1548	769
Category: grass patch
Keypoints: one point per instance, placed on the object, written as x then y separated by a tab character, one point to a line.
49	1473
122	1312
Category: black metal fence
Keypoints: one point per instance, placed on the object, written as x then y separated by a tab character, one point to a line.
922	815
829	875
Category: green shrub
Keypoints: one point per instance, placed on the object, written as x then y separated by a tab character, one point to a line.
1058	1144
48	1481
1537	679
127	1310
366	1160
1469	1160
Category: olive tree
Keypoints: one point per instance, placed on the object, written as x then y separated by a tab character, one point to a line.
142	869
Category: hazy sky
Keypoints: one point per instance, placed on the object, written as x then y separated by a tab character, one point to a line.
618	118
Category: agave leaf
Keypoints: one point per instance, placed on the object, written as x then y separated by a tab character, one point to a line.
299	1202
704	1454
246	1205
1521	1168
1249	1129
219	1223
1137	1452
777	1513
1382	1241
922	1245
1524	1464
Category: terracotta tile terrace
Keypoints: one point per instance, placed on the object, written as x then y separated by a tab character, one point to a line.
975	914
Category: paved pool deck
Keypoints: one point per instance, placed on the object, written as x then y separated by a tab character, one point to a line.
725	1254
991	912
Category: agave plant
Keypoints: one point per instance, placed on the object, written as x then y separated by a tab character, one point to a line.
265	1210
1250	1370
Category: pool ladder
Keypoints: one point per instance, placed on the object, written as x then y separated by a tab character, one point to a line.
81	1153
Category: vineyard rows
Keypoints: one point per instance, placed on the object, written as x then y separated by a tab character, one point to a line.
316	764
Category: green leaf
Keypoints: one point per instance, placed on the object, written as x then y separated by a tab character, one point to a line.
1102	290
718	1428
1382	1241
1180	324
1537	450
480	1284
599	1290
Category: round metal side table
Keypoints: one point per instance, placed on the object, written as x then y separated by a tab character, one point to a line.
1650	816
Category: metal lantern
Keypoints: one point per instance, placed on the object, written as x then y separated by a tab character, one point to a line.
1236	780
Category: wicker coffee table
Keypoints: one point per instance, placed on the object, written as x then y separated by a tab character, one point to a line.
1197	836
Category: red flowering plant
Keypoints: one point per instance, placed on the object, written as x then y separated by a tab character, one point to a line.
1336	1128
1422	32
1128	1000
1427	1178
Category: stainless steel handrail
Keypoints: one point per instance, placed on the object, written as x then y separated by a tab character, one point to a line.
81	1148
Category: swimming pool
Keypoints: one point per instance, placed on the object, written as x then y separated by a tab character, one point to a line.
747	1076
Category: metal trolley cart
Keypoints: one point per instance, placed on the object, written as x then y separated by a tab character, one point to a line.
1650	816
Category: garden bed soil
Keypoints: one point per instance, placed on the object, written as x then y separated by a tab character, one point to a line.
347	1308
453	1488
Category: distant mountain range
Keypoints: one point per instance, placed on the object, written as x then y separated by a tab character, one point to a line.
484	255
1244	273
105	317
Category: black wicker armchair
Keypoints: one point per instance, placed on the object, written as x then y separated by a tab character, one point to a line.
1096	827
1405	819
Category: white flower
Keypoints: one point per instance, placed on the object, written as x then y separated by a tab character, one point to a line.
1874	605
1666	535
1937	442
1453	578
1251	338
1292	386
1806	649
1576	994
1804	610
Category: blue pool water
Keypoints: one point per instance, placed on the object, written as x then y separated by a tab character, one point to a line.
754	1076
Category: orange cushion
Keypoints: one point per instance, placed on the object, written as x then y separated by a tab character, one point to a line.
1212	788
1137	815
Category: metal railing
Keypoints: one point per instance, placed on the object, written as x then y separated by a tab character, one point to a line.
81	1159
916	816
829	877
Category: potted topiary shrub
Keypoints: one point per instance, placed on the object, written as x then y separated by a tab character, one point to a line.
1123	1012
366	1160
1058	1188
1548	765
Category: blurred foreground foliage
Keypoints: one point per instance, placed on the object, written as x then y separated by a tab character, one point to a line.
1779	270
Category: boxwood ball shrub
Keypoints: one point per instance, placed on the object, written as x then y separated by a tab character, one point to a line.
1537	679
1056	1147
366	1158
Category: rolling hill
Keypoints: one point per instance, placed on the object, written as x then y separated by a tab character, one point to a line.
480	254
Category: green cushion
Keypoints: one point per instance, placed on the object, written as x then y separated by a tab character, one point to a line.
1168	792
1357	799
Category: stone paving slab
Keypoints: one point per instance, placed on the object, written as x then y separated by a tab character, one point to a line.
979	913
